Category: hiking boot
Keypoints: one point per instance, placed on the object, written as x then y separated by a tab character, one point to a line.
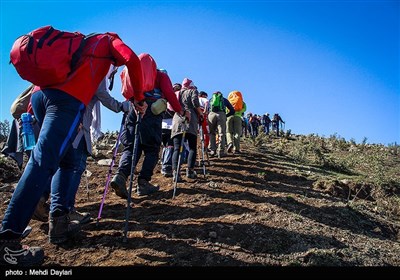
13	253
166	173
81	217
118	183
191	174
42	211
61	229
145	187
221	154
229	148
174	176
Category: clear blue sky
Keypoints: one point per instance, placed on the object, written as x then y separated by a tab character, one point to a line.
326	66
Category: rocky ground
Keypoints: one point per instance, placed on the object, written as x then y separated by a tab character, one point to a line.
255	209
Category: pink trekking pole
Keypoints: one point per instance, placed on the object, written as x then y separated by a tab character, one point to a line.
110	169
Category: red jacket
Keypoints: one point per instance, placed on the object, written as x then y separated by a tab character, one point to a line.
98	54
163	82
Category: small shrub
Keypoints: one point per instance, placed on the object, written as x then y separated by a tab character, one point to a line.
364	141
394	149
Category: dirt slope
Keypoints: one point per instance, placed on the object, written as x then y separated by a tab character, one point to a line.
258	208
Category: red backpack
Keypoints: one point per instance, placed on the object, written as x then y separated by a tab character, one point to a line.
149	71
46	55
126	85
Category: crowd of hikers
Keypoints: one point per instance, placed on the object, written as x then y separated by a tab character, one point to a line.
157	114
253	123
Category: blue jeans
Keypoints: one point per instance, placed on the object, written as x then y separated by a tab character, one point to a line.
71	174
168	150
149	142
59	115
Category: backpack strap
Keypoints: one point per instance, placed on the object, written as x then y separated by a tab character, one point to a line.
45	36
78	54
59	35
111	77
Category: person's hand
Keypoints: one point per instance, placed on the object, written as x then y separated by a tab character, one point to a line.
125	106
34	120
187	116
140	106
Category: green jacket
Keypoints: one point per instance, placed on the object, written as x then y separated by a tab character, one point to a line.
239	113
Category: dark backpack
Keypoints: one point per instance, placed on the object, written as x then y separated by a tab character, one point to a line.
46	56
217	103
21	103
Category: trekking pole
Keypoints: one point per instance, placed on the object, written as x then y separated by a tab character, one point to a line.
133	167
87	175
206	148
197	146
178	168
110	169
202	150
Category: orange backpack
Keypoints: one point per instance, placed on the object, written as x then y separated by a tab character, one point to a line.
236	99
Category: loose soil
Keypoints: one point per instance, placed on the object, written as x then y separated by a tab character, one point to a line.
253	209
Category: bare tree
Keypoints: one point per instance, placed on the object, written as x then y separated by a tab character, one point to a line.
4	130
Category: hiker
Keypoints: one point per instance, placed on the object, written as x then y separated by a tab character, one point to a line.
150	133
276	123
266	122
217	121
82	147
255	123
189	99
204	125
13	147
234	123
168	144
244	126
60	108
248	126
